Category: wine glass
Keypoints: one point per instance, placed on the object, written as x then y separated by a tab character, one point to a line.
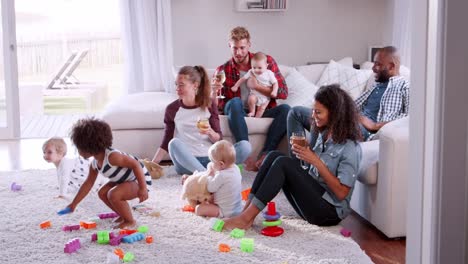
299	138
202	124
220	77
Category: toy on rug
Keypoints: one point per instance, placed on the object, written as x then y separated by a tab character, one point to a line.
195	189
345	232
272	221
15	187
72	246
155	170
146	210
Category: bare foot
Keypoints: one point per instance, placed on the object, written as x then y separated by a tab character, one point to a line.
238	222
118	220
250	164
126	225
251	114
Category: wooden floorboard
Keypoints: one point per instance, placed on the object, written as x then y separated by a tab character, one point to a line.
46	126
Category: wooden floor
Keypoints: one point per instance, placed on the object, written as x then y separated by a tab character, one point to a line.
26	154
46	126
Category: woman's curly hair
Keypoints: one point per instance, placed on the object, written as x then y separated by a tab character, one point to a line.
91	135
343	116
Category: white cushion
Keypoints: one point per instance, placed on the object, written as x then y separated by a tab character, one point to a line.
313	72
138	111
285	70
368	166
351	80
301	91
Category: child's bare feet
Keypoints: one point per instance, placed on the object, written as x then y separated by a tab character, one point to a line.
126	225
251	114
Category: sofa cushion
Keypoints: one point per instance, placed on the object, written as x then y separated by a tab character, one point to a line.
313	72
285	70
138	111
368	166
255	125
301	91
350	79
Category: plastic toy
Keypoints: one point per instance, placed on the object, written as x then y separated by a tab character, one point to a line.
67	210
224	248
108	215
195	189
45	224
127	231
154	169
247	244
115	241
272	221
241	167
133	238
128	257
119	252
218	225
103	237
141	208
143	229
72	246
15	187
71	227
149	239
345	232
88	225
188	208
237	233
245	194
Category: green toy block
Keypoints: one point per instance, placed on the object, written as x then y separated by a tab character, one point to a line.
241	167
128	257
218	225
103	237
143	229
247	244
237	233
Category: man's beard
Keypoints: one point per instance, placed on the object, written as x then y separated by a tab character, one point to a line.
243	59
383	76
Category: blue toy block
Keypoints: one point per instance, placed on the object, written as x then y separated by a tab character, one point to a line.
67	210
133	237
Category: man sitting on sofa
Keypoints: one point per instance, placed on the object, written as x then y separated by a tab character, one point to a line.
234	103
387	100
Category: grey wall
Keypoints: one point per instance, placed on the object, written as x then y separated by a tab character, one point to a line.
310	30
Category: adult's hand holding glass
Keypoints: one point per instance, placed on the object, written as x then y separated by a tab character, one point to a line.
298	143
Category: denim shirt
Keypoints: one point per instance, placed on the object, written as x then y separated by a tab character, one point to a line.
343	161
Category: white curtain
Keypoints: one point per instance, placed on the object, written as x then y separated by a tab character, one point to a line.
402	29
147	44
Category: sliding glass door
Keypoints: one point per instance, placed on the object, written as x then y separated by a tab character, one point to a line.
9	99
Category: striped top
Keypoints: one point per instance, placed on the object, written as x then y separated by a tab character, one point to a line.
119	174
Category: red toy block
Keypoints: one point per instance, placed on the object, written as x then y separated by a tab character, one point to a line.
188	208
119	252
149	239
127	231
271	208
245	194
45	224
345	232
224	248
272	231
88	225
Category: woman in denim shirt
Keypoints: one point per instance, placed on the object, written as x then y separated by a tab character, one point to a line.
321	193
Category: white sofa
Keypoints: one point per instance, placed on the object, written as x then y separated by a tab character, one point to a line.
379	196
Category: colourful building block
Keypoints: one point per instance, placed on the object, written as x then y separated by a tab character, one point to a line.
71	227
149	239
247	244
218	225
88	225
272	223
108	215
345	232
128	257
245	194
15	187
45	224
72	246
224	248
237	233
133	238
103	237
67	210
115	241
143	229
119	252
127	231
188	208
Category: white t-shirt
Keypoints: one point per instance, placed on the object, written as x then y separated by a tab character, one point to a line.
226	188
72	172
267	78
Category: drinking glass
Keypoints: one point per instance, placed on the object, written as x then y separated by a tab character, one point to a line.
203	123
220	77
299	138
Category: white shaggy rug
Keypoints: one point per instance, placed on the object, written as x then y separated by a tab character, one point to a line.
179	237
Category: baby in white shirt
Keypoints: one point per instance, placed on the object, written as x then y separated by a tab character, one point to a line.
71	172
265	77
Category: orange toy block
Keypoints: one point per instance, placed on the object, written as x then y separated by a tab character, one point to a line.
119	252
149	239
45	224
245	194
224	248
127	231
188	208
88	225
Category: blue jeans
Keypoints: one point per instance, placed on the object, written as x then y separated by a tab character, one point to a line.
364	132
186	163
235	112
298	120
